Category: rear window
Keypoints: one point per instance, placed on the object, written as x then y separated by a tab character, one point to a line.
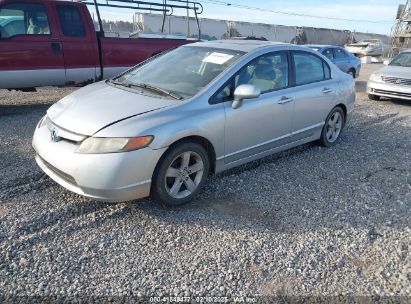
70	20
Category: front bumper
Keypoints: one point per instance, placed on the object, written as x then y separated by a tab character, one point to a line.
112	177
388	90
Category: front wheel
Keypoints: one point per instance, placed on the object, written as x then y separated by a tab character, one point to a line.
351	72
180	174
333	127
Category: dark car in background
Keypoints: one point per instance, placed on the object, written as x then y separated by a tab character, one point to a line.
346	61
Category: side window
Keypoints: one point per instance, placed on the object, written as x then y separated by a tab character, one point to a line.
309	68
70	20
268	72
340	54
23	19
328	53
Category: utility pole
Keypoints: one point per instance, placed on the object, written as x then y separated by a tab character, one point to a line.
401	31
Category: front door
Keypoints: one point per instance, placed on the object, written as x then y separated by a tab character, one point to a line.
263	123
29	56
342	60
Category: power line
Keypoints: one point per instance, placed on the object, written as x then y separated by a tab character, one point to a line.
223	3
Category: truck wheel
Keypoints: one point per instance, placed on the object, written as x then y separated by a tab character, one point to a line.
351	72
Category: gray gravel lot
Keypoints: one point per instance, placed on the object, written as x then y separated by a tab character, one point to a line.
307	222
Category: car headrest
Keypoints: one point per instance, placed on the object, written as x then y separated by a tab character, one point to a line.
265	72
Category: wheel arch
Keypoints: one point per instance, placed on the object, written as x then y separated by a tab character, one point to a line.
344	108
204	142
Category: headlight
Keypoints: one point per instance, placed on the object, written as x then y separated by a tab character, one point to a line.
99	145
375	77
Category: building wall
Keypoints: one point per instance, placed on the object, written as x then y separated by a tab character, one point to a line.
212	29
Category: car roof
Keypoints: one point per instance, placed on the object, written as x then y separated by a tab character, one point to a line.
238	45
321	46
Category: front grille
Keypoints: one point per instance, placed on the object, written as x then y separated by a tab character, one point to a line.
396	80
64	176
399	94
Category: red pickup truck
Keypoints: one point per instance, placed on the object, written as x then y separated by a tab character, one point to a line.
49	42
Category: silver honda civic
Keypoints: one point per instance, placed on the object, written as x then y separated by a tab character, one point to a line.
162	127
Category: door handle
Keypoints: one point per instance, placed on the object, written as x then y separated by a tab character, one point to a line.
285	99
327	90
56	46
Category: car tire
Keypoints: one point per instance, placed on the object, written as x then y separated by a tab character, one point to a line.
351	72
333	127
373	97
180	174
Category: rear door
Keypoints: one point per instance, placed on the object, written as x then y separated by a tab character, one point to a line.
30	54
315	92
79	43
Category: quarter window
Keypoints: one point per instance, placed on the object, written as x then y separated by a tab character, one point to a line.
71	21
23	19
310	68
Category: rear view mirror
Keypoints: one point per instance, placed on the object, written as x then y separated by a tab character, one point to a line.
245	91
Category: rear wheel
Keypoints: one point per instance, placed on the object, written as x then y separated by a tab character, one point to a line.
351	72
180	174
373	97
333	127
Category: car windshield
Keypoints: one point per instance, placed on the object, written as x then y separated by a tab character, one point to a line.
181	72
403	59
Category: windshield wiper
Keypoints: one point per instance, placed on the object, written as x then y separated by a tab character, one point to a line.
117	82
155	89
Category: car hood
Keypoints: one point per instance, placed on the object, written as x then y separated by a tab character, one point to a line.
395	71
96	106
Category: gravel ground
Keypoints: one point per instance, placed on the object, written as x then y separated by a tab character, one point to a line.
308	222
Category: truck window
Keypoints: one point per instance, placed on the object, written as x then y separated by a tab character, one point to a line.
23	19
70	20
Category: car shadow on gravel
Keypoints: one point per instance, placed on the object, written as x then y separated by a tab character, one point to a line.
6	110
362	182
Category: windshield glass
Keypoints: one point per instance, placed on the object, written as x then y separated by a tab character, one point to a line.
403	59
184	71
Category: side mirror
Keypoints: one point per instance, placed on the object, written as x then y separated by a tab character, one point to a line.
245	91
386	62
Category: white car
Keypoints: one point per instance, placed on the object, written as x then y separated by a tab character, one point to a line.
393	80
367	47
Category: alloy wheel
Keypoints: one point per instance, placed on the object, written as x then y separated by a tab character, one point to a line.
334	127
184	175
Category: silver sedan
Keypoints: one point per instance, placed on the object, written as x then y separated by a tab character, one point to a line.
393	80
162	127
